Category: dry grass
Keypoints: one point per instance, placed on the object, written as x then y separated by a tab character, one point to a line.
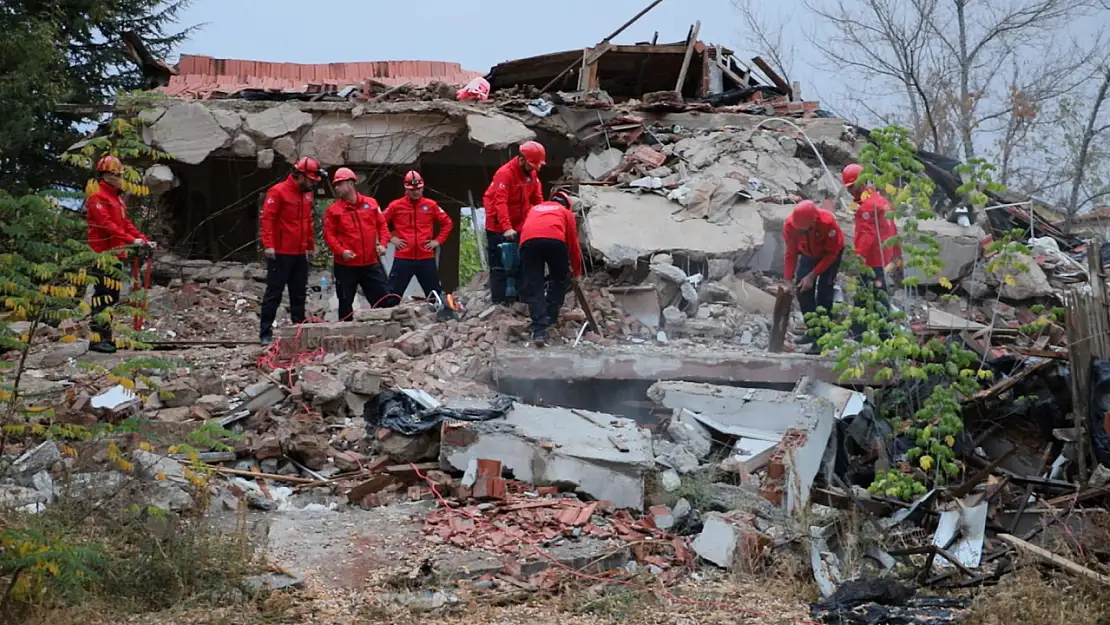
1044	597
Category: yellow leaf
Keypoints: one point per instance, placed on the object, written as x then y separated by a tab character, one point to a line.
950	440
69	338
1009	280
891	189
145	446
161	477
944	282
926	462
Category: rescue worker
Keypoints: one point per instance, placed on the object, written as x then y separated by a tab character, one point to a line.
289	240
514	190
548	239
109	229
356	234
814	245
874	226
413	219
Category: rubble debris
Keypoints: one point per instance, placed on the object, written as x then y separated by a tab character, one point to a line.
870	601
545	446
397	411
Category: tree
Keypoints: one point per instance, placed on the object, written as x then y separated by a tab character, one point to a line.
767	38
981	70
67	51
1090	182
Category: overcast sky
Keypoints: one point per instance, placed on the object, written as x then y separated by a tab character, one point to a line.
476	33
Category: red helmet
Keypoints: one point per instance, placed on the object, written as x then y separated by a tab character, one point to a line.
413	180
344	173
309	167
534	153
805	213
561	197
851	174
110	164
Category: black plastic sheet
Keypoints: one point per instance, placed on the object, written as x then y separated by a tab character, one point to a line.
886	601
397	411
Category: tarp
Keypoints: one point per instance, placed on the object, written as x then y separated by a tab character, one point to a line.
397	411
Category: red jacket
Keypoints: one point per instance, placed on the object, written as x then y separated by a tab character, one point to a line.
414	223
823	240
868	240
511	194
109	227
357	227
551	220
287	219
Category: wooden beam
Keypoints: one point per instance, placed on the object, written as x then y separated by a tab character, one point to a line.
770	73
1055	560
616	32
689	54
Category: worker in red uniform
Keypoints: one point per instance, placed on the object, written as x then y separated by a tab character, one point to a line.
874	226
109	230
814	245
413	219
356	234
514	190
289	240
548	239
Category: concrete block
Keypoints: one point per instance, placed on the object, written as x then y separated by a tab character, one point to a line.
550	446
684	429
731	541
189	133
798	424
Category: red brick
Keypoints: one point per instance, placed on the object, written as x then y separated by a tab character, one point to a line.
489	468
489	488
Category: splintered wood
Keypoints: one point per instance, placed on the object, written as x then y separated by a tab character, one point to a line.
781	319
1088	338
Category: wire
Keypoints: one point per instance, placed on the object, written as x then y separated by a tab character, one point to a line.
593	578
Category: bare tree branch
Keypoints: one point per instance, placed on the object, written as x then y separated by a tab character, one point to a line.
769	39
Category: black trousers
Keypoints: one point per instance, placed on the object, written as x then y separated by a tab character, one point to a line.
872	294
404	270
103	298
348	280
544	304
284	271
498	277
823	293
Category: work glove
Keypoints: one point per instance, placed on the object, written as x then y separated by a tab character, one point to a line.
808	282
152	245
138	242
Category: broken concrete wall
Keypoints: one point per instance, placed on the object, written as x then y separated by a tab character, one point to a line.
337	133
605	457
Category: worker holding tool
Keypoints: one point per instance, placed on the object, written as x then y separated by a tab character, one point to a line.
109	230
814	245
548	239
356	234
514	190
874	226
413	219
289	240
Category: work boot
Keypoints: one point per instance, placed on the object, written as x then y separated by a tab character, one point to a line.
539	338
266	339
103	347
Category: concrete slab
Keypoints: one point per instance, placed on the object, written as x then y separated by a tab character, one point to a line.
799	424
652	363
605	457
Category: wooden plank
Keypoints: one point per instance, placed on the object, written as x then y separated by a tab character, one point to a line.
689	54
770	73
581	297
649	50
1055	560
780	320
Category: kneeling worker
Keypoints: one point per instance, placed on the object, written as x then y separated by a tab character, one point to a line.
814	245
357	235
548	238
414	218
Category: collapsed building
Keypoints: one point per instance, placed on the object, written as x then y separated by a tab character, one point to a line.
686	162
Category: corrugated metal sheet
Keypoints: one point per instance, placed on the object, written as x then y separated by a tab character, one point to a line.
204	77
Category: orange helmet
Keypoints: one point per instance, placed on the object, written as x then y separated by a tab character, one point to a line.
109	164
805	213
561	197
851	174
534	153
344	173
309	167
413	180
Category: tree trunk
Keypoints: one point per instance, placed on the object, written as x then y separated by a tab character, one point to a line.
1089	132
966	105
